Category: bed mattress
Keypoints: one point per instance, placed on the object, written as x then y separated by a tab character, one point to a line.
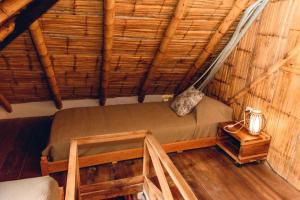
157	117
41	188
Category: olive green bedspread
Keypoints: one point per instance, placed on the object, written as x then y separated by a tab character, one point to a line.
157	117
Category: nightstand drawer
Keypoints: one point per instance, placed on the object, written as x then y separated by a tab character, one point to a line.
254	149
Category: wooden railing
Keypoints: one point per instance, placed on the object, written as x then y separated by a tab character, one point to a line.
153	153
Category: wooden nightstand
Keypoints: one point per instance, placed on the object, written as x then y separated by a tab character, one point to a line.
242	146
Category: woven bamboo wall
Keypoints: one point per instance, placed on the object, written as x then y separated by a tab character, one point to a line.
272	36
73	32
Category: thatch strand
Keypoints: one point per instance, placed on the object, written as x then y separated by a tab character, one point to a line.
109	15
6	29
211	46
39	42
9	8
169	34
271	70
5	103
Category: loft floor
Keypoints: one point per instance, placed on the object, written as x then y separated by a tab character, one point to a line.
210	173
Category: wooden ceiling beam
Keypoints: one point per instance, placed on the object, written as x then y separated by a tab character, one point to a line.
271	70
39	43
236	10
109	15
25	17
169	34
6	29
5	103
9	8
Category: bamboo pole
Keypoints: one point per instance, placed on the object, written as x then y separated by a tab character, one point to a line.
39	42
170	32
5	103
109	14
231	17
6	29
295	51
9	8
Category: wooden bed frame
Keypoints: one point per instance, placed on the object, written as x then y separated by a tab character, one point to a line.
153	156
62	194
48	167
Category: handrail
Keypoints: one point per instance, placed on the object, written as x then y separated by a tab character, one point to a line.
175	175
152	152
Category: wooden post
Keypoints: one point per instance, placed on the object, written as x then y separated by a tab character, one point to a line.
39	42
232	16
146	162
6	29
44	165
170	32
5	103
72	190
9	8
295	51
109	15
182	186
166	191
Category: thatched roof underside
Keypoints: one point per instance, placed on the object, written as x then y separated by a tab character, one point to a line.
73	32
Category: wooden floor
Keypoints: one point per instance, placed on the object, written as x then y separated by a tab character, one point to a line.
210	173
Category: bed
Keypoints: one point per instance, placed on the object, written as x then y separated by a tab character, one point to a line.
42	188
195	130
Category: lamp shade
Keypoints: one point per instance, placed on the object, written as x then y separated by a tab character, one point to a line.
256	122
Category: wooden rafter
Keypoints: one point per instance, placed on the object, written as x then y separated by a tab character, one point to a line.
5	103
170	32
9	8
231	17
39	42
6	29
109	15
266	74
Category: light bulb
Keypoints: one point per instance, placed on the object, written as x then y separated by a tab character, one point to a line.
256	122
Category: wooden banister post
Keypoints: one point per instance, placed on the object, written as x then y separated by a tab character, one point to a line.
5	103
109	15
170	32
231	17
39	42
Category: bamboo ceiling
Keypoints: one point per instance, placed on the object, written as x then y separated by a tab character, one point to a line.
73	34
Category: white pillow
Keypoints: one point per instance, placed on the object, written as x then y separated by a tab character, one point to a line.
184	103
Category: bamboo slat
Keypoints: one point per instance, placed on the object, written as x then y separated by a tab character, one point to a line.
109	15
39	42
211	46
168	36
5	104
